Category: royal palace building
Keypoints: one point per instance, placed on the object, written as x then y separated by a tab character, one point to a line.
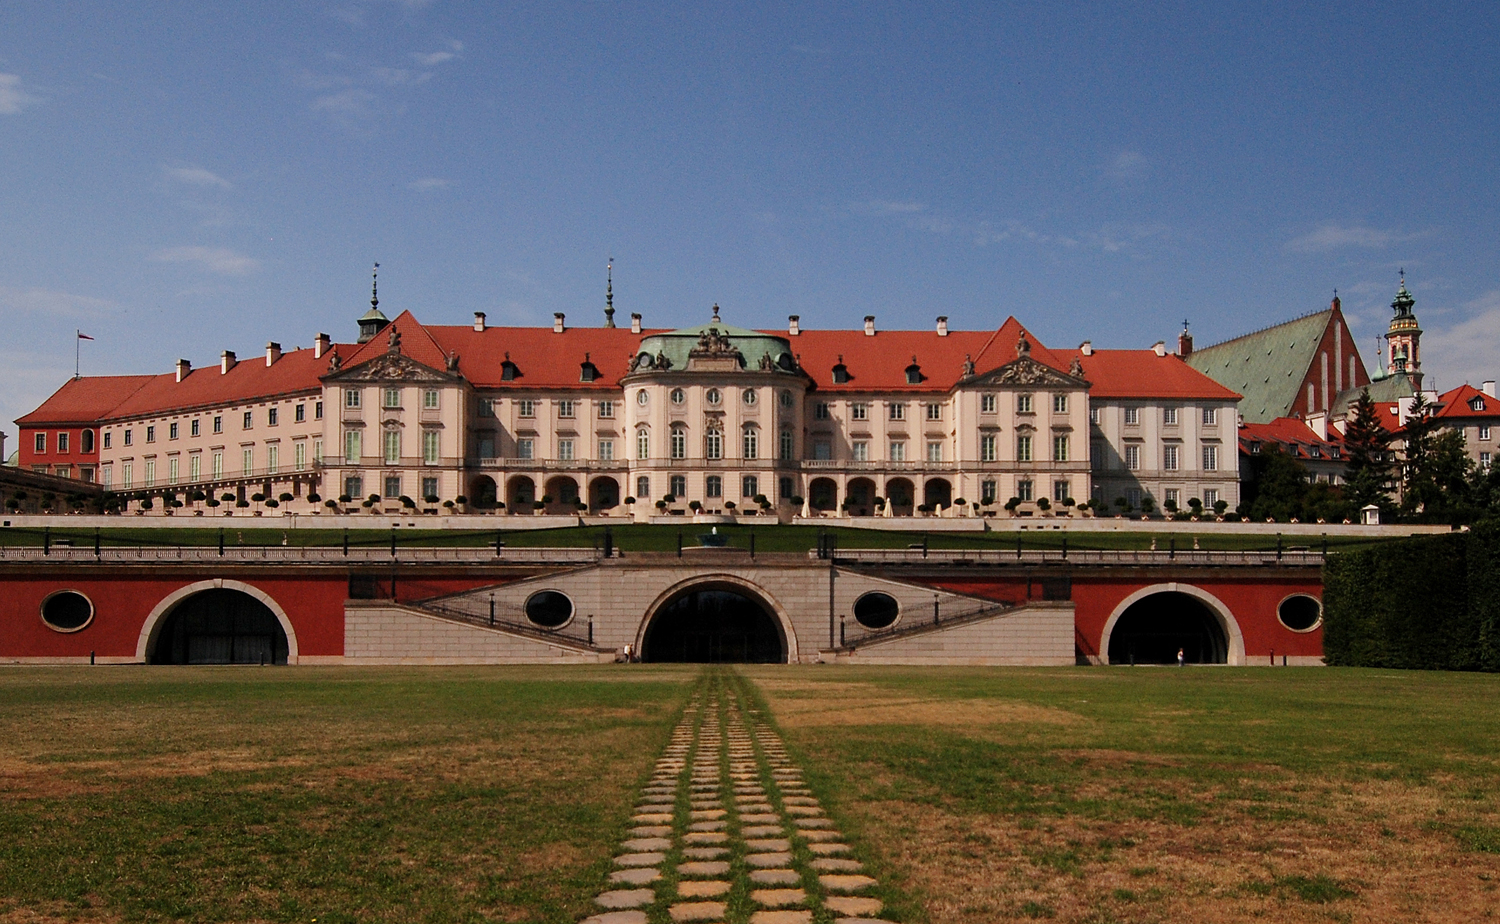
629	421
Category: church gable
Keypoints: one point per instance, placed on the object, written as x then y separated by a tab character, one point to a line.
1023	371
392	366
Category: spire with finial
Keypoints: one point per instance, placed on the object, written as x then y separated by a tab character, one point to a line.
716	311
373	321
609	295
375	287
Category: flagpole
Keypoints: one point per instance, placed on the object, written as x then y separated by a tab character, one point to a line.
77	350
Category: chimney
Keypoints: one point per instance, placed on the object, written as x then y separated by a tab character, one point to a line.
1318	423
321	343
1184	342
1086	348
1488	388
479	322
942	325
1160	348
794	325
226	362
869	325
557	322
183	368
635	322
273	353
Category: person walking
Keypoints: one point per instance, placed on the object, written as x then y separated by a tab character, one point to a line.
1181	658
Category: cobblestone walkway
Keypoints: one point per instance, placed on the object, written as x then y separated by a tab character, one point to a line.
727	831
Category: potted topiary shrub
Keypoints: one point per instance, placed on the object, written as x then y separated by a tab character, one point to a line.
695	506
1043	504
1012	505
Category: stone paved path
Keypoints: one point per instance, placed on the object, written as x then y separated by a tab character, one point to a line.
727	832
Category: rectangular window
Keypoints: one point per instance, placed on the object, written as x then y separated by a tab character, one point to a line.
1094	416
174	466
606	409
1484	460
1060	448
565	450
430	446
526	407
987	404
391	397
679	486
127	473
1210	416
1133	498
642	487
430	399
1023	404
1059	404
820	410
861	449
787	488
1169	416
1132	416
218	424
353	446
317	452
822	450
172	434
273	416
150	472
151	434
987	447
317	410
1133	456
486	407
107	441
787	445
1025	490
643	444
713	444
713	486
1061	491
299	414
107	476
351	397
1023	449
62	440
39	442
525	448
751	443
897	412
247	420
749	486
987	491
299	455
565	407
607	450
1484	434
934	412
128	439
429	490
1169	456
934	451
679	443
1172	496
247	460
273	458
486	445
859	412
1210	458
218	465
1210	497
898	451
392	486
390	443
354	487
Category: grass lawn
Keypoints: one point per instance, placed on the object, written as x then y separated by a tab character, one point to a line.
335	794
1153	794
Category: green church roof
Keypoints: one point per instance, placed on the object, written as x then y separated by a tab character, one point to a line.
751	344
1266	367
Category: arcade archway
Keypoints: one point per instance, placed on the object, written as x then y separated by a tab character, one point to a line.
714	622
219	626
1152	629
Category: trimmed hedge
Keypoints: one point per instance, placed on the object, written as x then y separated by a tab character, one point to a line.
1430	603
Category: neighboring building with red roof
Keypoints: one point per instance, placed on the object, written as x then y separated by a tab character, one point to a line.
1317	446
569	418
1475	412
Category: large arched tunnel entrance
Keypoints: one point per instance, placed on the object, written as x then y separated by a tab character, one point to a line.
220	627
714	623
1153	629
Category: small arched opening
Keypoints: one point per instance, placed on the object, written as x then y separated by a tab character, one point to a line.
520	494
937	494
1154	628
562	492
901	494
219	626
604	494
859	497
714	623
482	493
823	494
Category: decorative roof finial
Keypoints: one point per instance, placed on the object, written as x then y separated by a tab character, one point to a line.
374	284
716	311
609	295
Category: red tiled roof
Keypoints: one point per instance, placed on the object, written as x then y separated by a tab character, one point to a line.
249	380
1143	374
1293	435
84	400
1459	402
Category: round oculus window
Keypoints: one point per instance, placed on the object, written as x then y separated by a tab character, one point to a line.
749	396
549	609
642	397
1300	613
876	610
678	396
786	399
712	396
67	611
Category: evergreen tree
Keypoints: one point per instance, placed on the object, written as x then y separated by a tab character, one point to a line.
1418	482
1367	446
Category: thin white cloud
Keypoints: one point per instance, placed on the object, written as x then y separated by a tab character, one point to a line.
429	183
1333	236
197	176
1464	351
12	98
885	207
399	76
52	302
1127	166
219	260
433	59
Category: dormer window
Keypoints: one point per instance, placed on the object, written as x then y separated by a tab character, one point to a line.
1315	452
840	372
1254	448
1477	404
587	371
914	373
509	370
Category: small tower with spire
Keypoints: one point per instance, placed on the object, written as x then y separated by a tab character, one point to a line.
1404	337
1184	341
609	295
373	321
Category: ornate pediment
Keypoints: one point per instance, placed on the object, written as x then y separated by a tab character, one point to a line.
391	367
1025	371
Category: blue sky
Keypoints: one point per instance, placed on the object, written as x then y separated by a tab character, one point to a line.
179	179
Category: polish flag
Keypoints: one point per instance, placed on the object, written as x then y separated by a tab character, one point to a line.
83	336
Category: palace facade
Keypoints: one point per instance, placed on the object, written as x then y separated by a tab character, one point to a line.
632	421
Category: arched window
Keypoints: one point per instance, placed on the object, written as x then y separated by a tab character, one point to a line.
713	444
752	443
679	443
643	443
87	440
787	445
